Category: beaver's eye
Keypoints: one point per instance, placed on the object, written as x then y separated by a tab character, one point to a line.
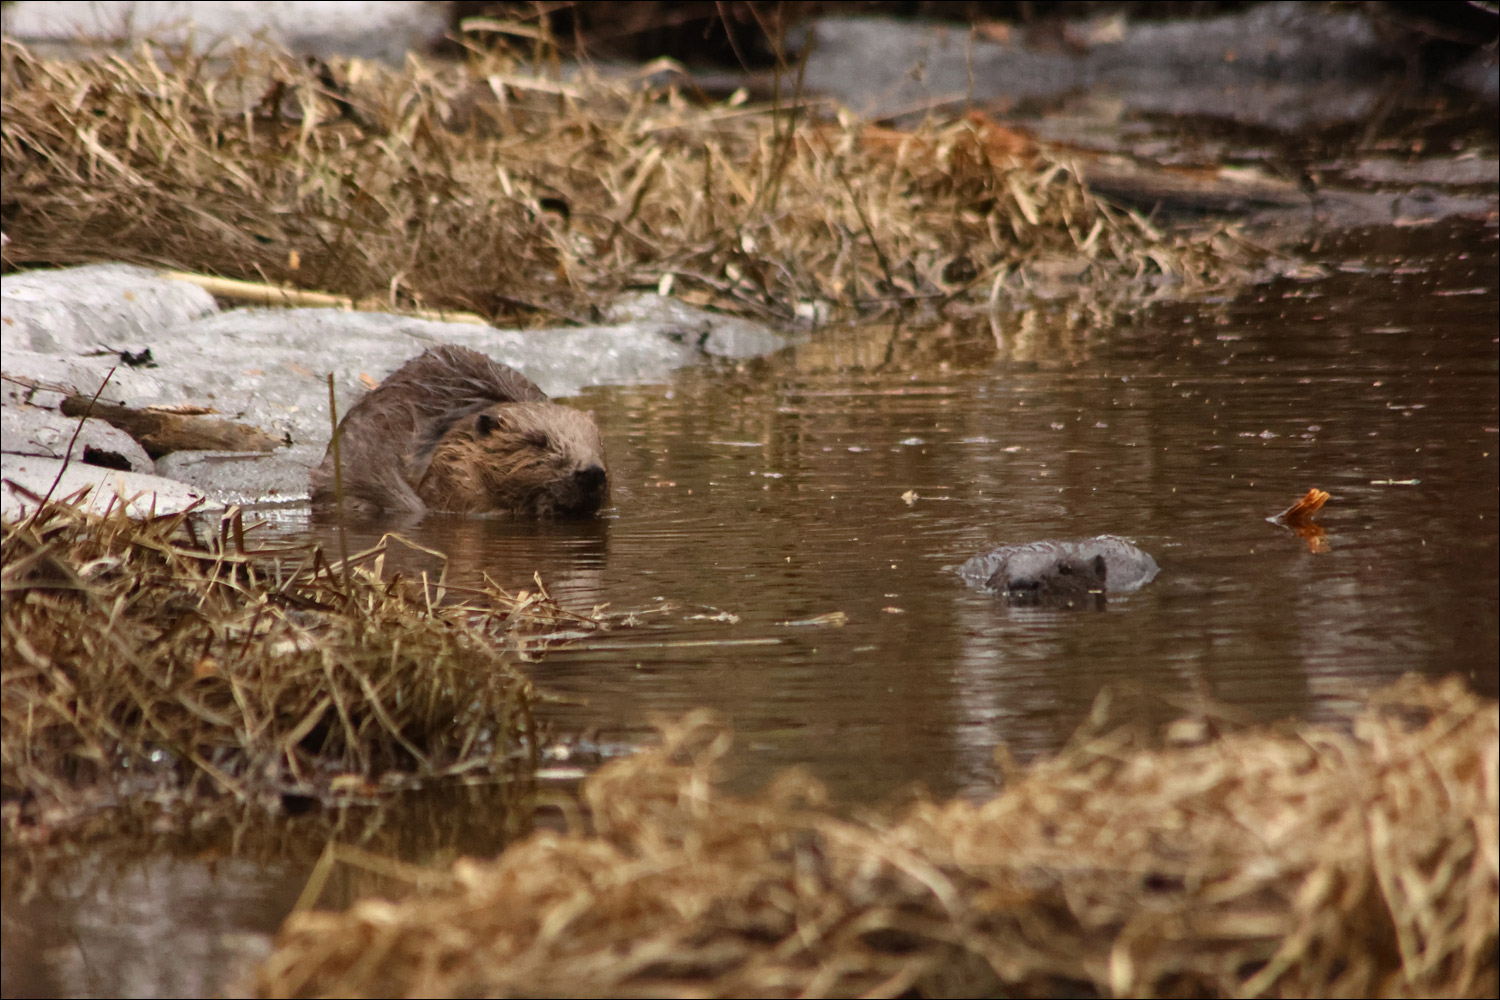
485	425
537	440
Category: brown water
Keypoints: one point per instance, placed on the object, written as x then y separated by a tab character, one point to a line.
848	475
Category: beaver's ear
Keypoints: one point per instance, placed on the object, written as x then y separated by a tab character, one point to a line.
485	425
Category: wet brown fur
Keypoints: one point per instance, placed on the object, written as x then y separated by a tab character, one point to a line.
452	430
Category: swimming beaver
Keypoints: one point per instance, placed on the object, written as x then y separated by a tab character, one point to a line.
1061	572
452	430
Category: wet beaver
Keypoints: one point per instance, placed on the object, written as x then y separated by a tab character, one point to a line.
1061	572
452	430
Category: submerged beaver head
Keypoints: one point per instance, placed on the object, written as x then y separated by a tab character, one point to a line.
533	458
1036	577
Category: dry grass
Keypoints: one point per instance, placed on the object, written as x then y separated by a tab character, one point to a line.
1319	861
488	188
142	658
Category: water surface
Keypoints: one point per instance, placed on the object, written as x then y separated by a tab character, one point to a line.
848	476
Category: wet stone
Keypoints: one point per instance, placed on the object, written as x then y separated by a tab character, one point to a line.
371	30
243	477
31	430
27	476
109	308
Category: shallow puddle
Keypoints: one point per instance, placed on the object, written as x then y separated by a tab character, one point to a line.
758	507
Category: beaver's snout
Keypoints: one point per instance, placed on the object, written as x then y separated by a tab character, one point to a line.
591	481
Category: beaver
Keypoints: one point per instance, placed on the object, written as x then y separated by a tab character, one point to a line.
451	430
1061	572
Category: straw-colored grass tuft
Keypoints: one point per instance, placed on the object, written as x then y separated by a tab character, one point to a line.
141	658
1320	861
489	189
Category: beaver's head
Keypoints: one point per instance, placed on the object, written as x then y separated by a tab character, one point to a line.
532	459
1049	578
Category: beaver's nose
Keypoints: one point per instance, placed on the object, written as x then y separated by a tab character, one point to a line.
590	479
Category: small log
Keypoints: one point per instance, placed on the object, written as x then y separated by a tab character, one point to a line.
161	432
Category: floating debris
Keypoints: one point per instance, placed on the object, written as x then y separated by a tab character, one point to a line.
1302	511
832	619
1298	517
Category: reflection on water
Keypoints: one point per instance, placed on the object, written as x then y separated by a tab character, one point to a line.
851	474
181	906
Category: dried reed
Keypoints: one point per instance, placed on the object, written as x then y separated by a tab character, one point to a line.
1314	861
141	658
485	188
